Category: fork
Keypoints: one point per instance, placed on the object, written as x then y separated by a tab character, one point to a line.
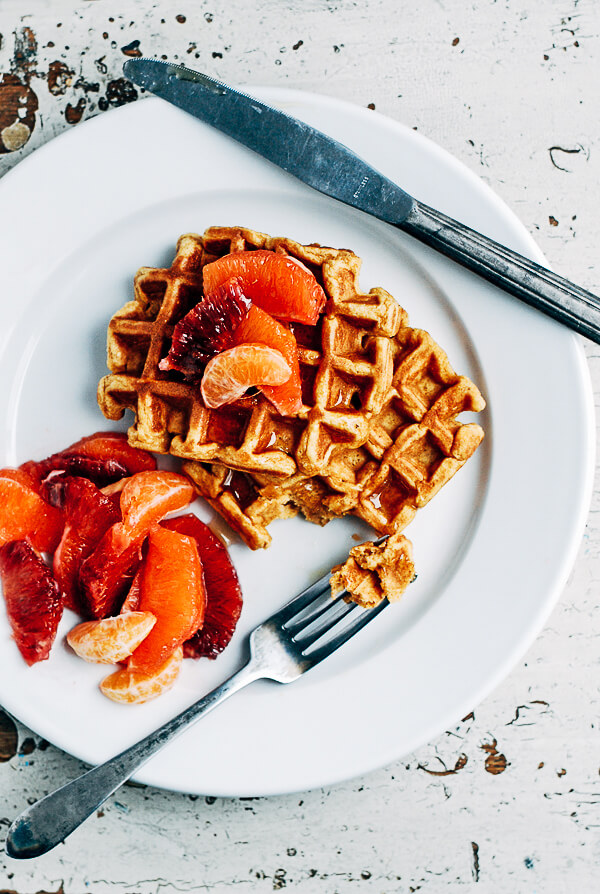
292	641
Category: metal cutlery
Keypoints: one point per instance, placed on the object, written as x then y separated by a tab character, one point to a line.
333	169
292	641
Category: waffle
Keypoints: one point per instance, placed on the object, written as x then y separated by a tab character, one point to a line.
377	435
373	572
346	365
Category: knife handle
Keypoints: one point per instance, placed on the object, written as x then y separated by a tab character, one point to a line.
532	283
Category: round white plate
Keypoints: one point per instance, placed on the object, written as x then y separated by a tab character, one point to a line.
494	548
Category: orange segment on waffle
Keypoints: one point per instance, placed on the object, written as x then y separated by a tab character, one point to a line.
259	327
229	374
275	282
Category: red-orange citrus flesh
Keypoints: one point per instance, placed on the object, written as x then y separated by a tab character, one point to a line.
172	588
274	282
149	496
259	327
25	516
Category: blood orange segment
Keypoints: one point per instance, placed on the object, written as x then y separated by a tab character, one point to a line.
106	575
148	496
110	640
25	515
132	600
206	330
34	603
88	515
21	475
132	686
114	445
100	471
172	588
102	457
274	282
260	327
223	592
108	572
228	375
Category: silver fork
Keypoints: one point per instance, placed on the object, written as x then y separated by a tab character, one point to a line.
282	648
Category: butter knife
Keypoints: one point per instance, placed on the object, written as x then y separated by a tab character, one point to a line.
333	169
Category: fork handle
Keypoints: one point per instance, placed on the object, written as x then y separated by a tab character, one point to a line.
50	820
536	285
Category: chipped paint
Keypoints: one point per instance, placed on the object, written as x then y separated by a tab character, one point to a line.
8	737
495	763
60	77
461	762
18	105
73	114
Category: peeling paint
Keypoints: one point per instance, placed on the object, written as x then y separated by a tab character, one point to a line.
9	737
60	77
18	105
495	762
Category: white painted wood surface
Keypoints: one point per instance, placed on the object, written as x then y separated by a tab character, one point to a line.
498	84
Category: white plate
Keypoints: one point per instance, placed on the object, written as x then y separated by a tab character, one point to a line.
494	548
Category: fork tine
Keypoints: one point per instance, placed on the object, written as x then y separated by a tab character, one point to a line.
328	616
347	633
303	600
311	594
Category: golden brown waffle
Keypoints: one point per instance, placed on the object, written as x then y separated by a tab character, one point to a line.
346	365
378	433
415	445
373	572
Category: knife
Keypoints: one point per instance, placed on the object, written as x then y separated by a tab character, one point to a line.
331	168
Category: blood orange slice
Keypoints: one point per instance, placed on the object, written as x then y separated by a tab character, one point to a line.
108	572
89	514
34	603
206	330
25	515
274	282
110	640
172	588
149	496
105	445
131	686
228	375
106	575
132	600
223	592
102	457
260	327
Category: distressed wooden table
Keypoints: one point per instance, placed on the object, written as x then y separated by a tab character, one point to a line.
509	799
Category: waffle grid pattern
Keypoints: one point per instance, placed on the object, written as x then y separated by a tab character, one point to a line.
378	433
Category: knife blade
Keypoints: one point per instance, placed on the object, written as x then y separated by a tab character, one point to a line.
333	169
